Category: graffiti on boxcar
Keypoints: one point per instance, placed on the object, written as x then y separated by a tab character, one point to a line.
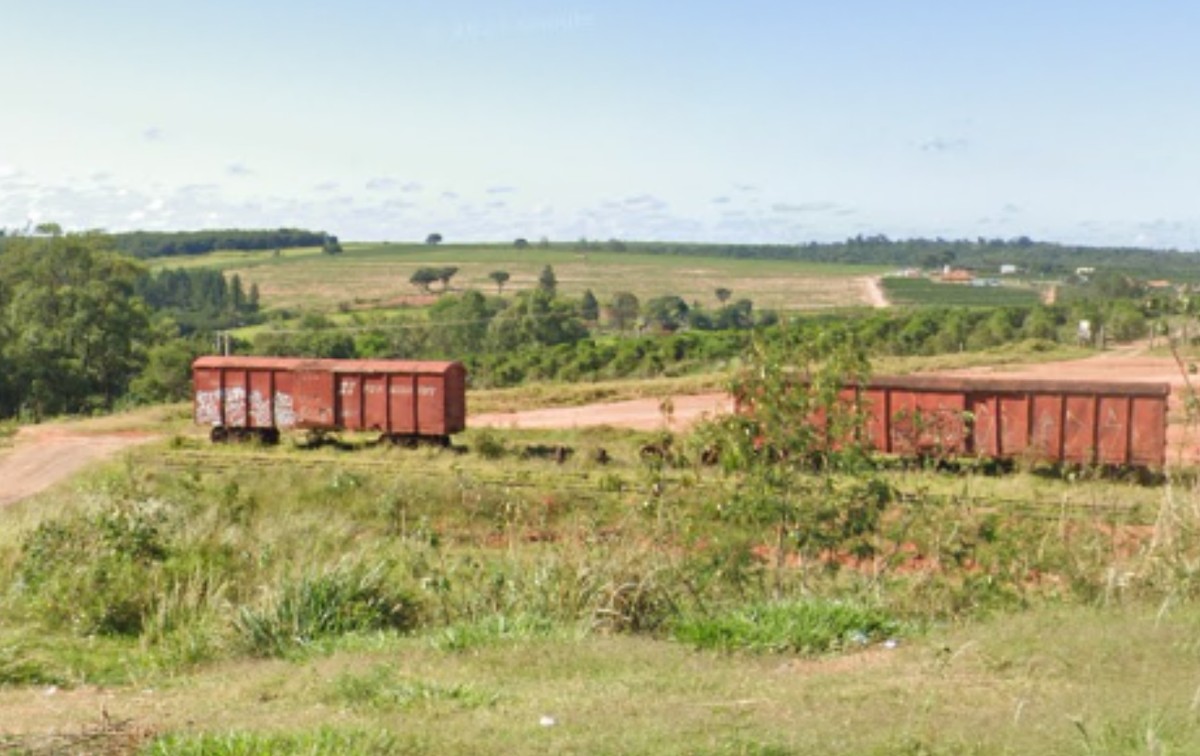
405	389
285	410
208	407
260	409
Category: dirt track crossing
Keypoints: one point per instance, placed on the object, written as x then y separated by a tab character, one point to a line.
44	455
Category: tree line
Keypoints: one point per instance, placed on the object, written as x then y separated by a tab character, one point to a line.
85	328
1037	257
148	244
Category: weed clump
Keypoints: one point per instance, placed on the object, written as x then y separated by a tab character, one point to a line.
807	627
315	606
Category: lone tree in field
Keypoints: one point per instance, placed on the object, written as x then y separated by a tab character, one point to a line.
547	281
500	277
423	277
331	246
521	243
723	294
445	274
433	239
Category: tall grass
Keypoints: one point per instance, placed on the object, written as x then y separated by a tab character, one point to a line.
222	561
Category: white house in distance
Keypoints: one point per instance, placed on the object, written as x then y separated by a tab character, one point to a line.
1008	270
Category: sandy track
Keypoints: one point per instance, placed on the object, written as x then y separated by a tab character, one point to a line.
874	290
637	414
1125	364
44	455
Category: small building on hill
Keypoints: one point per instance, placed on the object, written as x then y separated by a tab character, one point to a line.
957	275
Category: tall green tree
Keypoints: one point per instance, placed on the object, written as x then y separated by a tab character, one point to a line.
459	324
499	277
72	331
589	307
536	318
547	281
624	310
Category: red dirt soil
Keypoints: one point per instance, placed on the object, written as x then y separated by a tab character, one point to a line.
1125	364
44	455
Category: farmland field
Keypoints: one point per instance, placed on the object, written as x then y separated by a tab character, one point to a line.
922	291
377	275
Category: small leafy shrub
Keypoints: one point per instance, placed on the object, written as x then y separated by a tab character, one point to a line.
489	444
96	573
802	627
341	601
19	667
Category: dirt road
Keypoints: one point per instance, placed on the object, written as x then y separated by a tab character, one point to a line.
44	455
874	289
637	414
1127	363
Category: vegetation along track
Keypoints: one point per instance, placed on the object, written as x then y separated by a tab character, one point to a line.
593	485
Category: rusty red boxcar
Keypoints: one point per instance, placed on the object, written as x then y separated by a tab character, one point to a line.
260	396
1058	422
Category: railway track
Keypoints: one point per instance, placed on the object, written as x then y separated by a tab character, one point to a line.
594	485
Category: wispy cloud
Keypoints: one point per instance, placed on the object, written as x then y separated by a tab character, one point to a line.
238	169
153	134
944	144
326	186
503	189
381	184
804	207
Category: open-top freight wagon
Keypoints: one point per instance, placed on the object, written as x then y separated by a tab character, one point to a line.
257	397
1047	421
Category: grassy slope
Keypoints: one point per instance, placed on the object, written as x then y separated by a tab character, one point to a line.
1109	676
377	274
1114	680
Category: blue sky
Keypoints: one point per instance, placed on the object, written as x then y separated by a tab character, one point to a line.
1069	120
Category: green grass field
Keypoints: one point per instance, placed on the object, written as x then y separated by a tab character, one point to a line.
924	292
376	275
542	606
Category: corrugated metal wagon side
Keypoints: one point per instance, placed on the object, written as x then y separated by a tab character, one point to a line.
256	397
244	397
1057	422
407	402
1062	422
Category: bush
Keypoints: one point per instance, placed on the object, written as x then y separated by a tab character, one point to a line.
340	601
803	627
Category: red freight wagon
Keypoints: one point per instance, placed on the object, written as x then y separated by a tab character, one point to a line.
259	396
1071	422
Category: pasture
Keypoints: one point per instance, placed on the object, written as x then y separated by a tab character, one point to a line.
368	276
